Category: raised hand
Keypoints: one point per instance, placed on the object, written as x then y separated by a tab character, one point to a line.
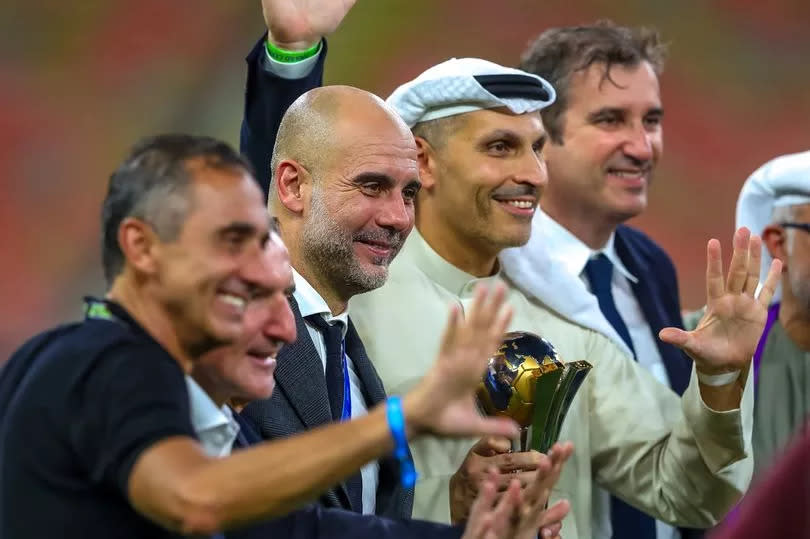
534	515
521	514
726	337
444	401
299	24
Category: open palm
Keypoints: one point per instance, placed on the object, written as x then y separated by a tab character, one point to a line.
727	335
294	24
449	387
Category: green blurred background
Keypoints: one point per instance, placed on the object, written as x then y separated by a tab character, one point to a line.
81	81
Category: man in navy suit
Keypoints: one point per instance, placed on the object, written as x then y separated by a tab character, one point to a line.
241	373
605	133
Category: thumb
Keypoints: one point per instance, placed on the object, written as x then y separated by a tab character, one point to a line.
676	337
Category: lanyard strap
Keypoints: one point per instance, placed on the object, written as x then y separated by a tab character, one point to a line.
346	412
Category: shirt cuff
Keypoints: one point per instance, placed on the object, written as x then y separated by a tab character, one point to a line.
290	70
723	438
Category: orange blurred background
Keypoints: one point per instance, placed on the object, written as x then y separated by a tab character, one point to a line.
81	81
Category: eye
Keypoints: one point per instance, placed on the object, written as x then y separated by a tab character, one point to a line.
499	147
234	240
652	121
409	193
372	188
608	121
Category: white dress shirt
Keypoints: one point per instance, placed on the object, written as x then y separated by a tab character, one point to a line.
309	303
215	427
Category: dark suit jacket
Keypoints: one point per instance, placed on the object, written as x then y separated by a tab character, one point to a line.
267	98
300	402
317	522
657	294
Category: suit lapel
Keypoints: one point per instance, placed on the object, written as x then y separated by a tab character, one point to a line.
299	375
372	385
649	297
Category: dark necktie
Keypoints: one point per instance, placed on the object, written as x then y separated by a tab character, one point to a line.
627	521
333	338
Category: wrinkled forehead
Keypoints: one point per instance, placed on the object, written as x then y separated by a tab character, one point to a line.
387	150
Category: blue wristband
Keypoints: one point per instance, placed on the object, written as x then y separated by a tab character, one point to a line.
396	422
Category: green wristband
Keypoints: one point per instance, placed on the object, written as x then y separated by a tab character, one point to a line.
290	57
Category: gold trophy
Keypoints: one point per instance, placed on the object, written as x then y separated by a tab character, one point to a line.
528	382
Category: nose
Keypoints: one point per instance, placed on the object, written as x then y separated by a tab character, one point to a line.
533	171
281	325
395	213
639	144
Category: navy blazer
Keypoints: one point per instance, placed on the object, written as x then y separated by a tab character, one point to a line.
657	295
267	98
317	522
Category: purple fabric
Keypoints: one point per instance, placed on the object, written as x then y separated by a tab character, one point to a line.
773	314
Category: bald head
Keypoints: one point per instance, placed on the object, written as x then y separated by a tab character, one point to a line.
325	122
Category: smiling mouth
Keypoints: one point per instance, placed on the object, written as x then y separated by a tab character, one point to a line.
628	174
265	361
232	299
517	206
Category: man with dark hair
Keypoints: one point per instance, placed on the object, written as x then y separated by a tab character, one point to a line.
605	140
95	427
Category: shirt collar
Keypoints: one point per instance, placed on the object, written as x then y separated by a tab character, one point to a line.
572	253
204	412
310	302
440	270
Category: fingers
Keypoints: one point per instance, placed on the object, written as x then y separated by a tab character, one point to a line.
480	520
451	329
491	445
771	281
500	427
738	268
715	286
489	312
506	507
754	261
674	336
537	493
552	518
523	461
552	530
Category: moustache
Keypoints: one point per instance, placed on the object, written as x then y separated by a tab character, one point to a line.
390	237
520	190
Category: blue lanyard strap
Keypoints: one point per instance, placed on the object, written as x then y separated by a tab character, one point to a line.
346	413
396	422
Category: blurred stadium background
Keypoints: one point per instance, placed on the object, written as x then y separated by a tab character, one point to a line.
81	81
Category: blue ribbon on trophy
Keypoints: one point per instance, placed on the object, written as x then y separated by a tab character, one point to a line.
528	382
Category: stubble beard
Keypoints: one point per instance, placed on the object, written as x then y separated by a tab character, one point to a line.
329	250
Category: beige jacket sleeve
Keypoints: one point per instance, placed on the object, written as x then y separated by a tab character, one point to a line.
674	458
